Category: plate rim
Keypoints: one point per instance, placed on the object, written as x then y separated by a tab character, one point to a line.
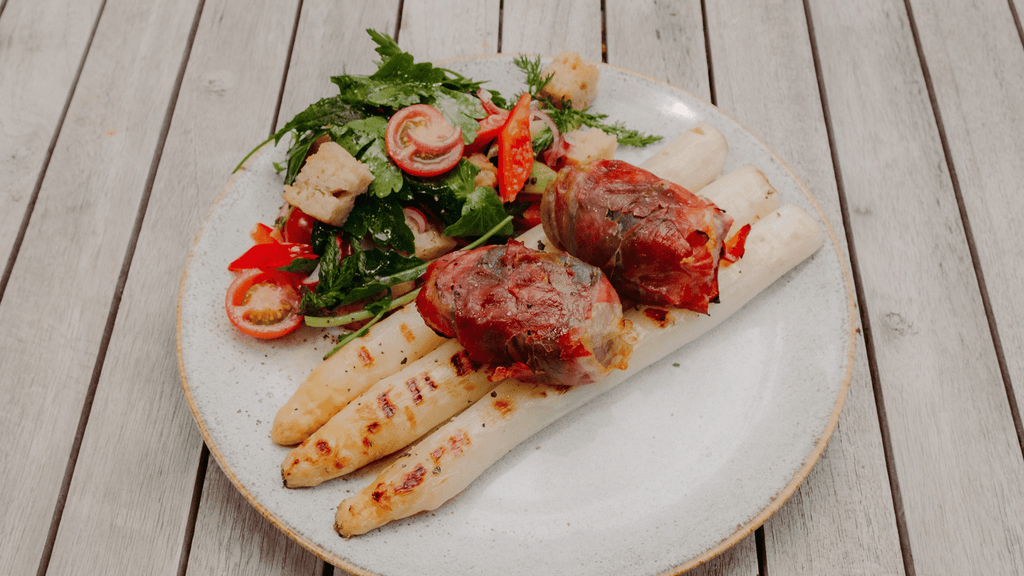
740	533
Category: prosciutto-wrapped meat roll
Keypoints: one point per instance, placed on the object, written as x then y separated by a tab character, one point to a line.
657	242
533	315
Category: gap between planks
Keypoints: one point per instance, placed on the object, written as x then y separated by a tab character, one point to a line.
5	276
204	457
115	303
1016	21
883	423
993	325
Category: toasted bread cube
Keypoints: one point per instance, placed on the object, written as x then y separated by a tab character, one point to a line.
572	79
588	145
327	186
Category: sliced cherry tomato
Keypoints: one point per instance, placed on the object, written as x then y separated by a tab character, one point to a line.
263	304
271	256
515	150
298	228
422	142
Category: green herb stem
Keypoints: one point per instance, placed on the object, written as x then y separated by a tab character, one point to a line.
329	321
357	334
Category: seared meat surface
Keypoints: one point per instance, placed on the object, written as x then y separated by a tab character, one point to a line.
532	315
657	242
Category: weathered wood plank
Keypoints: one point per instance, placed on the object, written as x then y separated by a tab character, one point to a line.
332	40
547	28
231	537
64	279
663	40
128	505
976	61
954	447
41	46
841	520
430	32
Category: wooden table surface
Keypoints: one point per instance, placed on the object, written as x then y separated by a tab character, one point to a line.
120	121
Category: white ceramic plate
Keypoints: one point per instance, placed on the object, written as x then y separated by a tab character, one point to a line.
661	473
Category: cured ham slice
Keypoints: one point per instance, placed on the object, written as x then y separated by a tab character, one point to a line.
536	316
657	242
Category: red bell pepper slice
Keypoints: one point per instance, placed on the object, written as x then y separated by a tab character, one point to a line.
515	151
271	256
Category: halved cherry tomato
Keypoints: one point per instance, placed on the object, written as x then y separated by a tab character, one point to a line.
422	142
263	304
515	151
298	228
271	256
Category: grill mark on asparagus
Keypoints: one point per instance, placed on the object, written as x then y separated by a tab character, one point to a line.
407	332
453	445
504	406
385	405
417	398
411	480
365	357
463	364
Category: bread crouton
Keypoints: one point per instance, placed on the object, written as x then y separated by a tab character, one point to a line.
327	186
588	145
572	79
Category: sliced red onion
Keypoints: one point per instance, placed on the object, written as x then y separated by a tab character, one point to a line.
414	217
559	147
485	100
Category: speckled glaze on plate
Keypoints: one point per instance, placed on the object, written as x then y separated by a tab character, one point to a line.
658	475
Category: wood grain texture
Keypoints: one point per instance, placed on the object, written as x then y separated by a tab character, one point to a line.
739	560
41	46
841	520
332	40
986	147
662	40
547	28
128	505
232	538
64	280
438	30
954	446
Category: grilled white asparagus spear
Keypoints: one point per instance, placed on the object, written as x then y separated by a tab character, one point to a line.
388	416
704	147
445	462
693	160
390	344
396	411
744	194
